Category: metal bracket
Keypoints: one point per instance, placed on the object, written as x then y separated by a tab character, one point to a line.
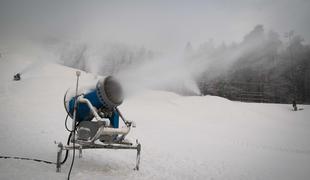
138	156
59	157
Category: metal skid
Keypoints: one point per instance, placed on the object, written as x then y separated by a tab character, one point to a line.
80	145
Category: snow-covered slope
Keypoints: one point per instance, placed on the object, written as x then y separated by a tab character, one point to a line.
182	137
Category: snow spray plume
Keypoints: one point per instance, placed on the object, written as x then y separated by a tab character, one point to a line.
169	73
136	68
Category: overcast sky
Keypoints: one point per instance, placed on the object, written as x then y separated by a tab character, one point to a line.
157	24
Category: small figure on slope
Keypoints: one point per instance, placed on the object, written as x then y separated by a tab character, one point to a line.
17	77
294	105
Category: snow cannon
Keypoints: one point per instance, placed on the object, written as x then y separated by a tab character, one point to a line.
104	98
95	119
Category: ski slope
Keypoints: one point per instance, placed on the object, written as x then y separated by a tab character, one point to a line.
192	137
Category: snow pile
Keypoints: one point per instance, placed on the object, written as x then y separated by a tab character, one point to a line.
193	137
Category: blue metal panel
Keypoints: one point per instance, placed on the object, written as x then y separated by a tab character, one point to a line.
115	119
83	112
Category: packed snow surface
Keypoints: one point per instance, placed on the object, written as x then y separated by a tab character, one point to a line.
182	137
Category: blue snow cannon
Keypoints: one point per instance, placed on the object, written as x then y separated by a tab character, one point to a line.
104	97
95	119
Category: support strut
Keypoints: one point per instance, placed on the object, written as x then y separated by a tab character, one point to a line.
59	157
138	157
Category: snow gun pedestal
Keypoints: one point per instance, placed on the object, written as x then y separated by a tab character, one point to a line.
95	120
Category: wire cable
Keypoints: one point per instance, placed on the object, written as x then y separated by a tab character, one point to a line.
73	156
25	158
66	126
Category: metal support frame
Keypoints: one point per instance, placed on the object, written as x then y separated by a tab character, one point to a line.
86	145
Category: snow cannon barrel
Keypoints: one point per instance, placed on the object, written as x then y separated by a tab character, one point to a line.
105	96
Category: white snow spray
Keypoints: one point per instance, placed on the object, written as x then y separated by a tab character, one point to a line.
133	67
170	73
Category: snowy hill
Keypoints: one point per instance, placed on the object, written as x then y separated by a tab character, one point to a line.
191	137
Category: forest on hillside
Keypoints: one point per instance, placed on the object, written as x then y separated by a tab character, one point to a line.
262	68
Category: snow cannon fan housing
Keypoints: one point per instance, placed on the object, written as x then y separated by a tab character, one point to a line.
105	97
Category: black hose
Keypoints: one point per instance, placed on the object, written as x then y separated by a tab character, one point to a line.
67	151
66	124
68	141
73	156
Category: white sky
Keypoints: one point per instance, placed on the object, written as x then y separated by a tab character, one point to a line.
158	24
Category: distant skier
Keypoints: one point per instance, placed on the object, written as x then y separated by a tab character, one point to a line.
17	77
294	105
